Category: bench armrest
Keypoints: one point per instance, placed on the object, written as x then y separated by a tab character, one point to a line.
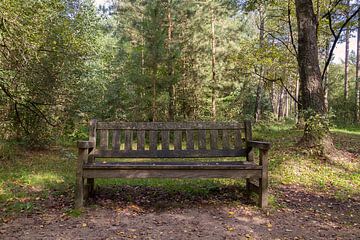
85	144
259	145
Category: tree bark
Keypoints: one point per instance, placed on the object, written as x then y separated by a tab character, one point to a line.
170	67
357	85
326	77
213	71
347	43
280	105
259	90
154	102
297	107
311	89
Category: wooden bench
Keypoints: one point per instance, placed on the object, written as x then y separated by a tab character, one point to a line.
165	140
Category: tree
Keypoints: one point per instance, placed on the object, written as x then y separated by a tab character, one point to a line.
357	85
347	45
312	93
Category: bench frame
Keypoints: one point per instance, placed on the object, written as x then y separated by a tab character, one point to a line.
87	169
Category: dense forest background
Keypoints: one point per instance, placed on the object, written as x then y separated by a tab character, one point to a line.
64	62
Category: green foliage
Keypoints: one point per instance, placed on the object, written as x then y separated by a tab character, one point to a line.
64	62
317	125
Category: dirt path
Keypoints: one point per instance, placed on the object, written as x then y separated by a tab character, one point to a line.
151	214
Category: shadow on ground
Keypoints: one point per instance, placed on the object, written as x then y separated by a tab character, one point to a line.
160	199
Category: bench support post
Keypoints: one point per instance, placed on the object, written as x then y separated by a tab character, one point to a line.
80	187
90	182
263	181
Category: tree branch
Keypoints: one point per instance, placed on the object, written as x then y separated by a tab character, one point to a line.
290	29
337	36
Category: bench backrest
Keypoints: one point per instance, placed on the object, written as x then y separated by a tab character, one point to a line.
169	139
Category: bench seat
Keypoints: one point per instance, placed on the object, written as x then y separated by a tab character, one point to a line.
172	165
172	170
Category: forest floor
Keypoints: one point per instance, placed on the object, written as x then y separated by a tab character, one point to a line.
310	199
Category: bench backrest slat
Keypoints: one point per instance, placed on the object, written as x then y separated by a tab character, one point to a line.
116	140
177	140
153	138
167	125
214	139
202	139
225	138
128	140
141	140
189	140
238	140
165	140
104	137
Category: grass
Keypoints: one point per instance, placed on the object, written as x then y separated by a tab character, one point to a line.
34	176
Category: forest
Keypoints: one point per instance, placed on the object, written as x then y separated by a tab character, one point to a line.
272	62
65	62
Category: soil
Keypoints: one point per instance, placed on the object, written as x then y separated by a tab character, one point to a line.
152	213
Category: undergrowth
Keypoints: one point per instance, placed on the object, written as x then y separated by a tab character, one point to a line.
32	177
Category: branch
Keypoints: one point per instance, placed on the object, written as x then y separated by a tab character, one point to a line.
337	36
332	8
290	29
281	84
283	42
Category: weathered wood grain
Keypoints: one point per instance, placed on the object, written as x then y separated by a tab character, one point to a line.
225	139
238	140
128	140
214	139
189	139
173	165
116	140
165	140
153	137
188	153
104	139
202	139
140	140
171	173
168	125
177	140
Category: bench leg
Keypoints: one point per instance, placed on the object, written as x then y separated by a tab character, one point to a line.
248	186
79	185
79	192
90	186
263	192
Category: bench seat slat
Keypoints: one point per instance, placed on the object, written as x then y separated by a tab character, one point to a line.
173	165
172	173
170	153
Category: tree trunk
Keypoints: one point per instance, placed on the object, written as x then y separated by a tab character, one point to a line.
280	104
213	71
311	89
326	76
154	103
272	98
357	85
347	43
170	69
259	90
297	107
